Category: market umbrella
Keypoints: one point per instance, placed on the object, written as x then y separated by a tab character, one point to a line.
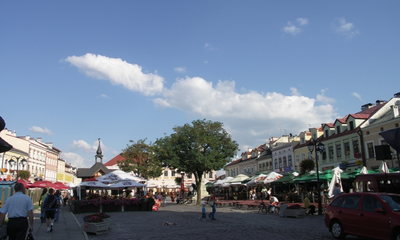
126	183
287	178
93	184
383	168
238	179
336	178
116	176
26	184
60	185
89	180
273	176
42	184
257	179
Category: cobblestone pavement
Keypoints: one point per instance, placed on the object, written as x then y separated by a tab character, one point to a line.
230	224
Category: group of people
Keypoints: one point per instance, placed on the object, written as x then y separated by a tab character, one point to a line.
211	202
50	207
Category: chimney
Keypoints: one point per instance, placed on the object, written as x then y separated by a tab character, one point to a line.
27	137
50	145
39	140
366	106
397	95
379	102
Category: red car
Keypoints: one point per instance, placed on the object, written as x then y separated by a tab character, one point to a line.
366	214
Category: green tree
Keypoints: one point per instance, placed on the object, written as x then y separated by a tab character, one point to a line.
306	165
196	148
139	158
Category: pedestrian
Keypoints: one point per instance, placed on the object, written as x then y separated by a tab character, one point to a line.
164	200
50	204
59	204
41	201
336	190
273	201
203	212
211	202
19	208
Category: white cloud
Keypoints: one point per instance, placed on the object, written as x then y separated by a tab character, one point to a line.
343	27
302	21
75	160
294	91
37	129
292	29
324	99
208	46
357	95
180	69
104	96
249	116
81	144
118	72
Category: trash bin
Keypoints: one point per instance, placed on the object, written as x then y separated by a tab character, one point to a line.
282	210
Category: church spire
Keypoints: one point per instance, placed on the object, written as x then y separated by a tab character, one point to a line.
99	154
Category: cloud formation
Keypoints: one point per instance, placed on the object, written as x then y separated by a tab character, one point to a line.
343	27
37	129
75	160
118	72
180	69
357	95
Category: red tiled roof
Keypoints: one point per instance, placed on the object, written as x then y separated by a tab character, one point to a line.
234	162
115	160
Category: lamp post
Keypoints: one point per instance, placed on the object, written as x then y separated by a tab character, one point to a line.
17	162
318	148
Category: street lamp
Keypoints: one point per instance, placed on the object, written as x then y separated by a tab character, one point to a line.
318	148
17	162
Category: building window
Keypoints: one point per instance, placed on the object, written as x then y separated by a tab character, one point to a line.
189	175
351	123
284	162
263	166
324	154
165	173
326	133
355	146
331	154
276	164
173	173
396	125
338	130
339	150
290	160
280	162
210	175
370	147
346	149
303	156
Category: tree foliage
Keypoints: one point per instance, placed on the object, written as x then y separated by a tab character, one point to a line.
23	174
139	158
306	165
196	148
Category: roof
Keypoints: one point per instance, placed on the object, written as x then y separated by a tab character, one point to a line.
115	160
90	172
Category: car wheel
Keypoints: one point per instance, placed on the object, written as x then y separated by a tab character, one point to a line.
396	235
337	230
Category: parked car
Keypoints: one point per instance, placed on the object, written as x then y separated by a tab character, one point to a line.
365	214
378	182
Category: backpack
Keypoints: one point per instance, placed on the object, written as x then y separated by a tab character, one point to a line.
51	202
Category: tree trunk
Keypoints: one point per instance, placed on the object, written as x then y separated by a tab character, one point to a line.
198	178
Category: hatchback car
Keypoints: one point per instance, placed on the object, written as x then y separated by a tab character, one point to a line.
366	214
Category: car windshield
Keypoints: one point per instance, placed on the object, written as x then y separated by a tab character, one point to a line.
392	201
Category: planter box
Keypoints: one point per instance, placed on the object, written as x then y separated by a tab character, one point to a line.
96	228
75	208
132	208
89	209
111	208
108	221
294	213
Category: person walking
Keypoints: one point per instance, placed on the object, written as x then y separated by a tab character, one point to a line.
203	212
211	202
42	209
59	204
50	204
336	190
19	208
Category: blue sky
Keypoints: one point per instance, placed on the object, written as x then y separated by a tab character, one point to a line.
72	72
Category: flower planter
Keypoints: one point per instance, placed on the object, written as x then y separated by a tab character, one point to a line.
89	209
111	208
96	228
108	221
132	208
294	213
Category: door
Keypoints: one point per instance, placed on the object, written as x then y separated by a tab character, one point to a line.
349	214
374	224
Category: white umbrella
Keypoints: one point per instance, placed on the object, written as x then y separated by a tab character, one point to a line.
383	168
126	184
116	176
238	179
256	179
335	179
223	182
364	170
93	184
272	176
